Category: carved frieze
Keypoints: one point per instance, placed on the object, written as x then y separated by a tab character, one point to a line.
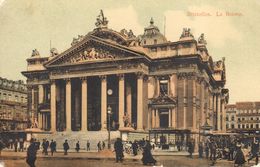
186	75
90	53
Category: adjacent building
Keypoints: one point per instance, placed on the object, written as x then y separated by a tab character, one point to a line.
13	105
243	117
146	81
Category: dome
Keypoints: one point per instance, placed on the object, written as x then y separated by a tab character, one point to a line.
152	35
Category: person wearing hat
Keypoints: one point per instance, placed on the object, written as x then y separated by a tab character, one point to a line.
66	147
254	151
239	157
31	153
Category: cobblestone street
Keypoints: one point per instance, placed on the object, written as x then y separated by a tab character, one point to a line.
165	161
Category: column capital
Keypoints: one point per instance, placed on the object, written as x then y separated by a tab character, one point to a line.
67	80
121	76
53	81
139	75
83	79
103	77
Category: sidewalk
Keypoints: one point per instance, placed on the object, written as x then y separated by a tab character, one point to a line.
104	154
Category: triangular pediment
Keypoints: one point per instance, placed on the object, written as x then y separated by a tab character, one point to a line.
93	50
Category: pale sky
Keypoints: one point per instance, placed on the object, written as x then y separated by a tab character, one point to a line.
29	24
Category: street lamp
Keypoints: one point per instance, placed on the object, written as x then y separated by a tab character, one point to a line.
109	111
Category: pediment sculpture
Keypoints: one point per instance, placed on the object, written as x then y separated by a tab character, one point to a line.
90	54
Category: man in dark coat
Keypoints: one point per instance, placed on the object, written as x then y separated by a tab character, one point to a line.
1	146
103	145
53	147
254	152
200	150
99	146
190	148
239	157
77	146
88	145
135	147
118	146
147	155
66	147
21	145
15	145
31	154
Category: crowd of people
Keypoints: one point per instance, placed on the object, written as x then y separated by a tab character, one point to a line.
213	148
229	148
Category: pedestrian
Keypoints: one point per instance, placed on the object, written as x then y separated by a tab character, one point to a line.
99	146
66	147
147	155
88	145
43	146
1	146
21	145
200	150
207	150
103	145
53	147
254	151
135	147
118	146
15	145
46	147
213	151
77	146
31	154
239	157
190	148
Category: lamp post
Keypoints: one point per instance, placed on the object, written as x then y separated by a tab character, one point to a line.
109	109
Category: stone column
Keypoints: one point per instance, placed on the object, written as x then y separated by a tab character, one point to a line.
224	117
185	104
218	112
194	118
174	118
32	105
53	106
40	120
68	105
84	104
104	102
173	85
157	87
129	102
121	94
202	104
153	118
157	118
139	102
41	94
170	118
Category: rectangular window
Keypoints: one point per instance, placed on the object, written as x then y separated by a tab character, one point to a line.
238	126
163	87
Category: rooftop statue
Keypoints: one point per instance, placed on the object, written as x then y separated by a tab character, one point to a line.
54	52
186	33
101	20
35	52
202	40
76	40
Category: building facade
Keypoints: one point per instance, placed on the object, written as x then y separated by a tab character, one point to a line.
231	117
13	105
247	117
147	81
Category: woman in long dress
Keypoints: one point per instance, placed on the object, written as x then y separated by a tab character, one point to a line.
147	155
239	157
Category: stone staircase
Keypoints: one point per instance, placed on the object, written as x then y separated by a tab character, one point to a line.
74	136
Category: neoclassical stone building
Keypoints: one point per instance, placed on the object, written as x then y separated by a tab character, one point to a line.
146	80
